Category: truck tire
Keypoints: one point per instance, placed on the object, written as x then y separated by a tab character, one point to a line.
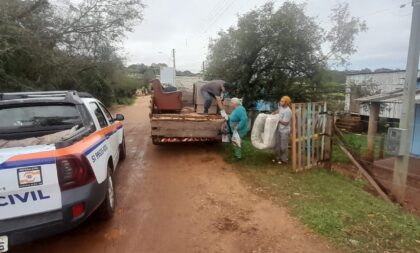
123	150
107	208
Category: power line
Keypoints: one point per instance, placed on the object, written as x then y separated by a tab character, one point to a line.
221	13
213	10
385	10
212	14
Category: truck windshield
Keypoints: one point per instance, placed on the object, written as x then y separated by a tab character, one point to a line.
40	116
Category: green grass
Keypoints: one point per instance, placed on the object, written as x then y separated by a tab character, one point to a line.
332	205
357	143
126	100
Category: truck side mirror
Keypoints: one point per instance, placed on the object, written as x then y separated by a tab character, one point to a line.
119	117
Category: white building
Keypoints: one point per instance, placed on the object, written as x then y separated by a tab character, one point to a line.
364	85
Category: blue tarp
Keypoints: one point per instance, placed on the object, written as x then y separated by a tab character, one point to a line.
264	106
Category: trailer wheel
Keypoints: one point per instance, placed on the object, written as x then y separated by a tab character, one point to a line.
156	140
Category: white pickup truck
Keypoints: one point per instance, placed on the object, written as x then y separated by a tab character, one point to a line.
58	154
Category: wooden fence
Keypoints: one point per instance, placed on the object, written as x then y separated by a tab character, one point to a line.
311	135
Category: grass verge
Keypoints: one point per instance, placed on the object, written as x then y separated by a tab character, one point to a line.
332	205
357	144
126	100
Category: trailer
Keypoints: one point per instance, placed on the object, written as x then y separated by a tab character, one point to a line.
184	120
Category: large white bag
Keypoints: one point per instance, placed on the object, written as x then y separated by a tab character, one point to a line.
258	130
263	134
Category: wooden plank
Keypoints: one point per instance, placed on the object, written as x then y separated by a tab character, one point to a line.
185	133
304	133
207	125
308	132
294	148
313	162
185	128
187	114
299	127
329	142
365	174
186	117
318	132
324	126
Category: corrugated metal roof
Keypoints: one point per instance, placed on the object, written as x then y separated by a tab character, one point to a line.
376	72
389	97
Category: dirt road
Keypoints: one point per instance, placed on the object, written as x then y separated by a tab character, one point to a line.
182	198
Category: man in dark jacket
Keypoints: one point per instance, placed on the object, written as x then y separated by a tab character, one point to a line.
213	90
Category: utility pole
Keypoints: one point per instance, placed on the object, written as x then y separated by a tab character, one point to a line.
173	56
407	111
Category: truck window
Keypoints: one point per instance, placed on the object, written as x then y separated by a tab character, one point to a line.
99	115
107	114
39	117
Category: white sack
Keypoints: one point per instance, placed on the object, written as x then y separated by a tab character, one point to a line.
264	131
236	139
270	128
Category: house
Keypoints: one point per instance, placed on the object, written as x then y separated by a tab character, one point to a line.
396	98
367	84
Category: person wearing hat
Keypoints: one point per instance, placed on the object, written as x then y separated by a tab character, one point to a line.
283	130
238	121
213	90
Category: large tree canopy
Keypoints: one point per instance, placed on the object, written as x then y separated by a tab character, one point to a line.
50	45
276	52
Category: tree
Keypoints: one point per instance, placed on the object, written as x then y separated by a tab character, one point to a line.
274	52
58	45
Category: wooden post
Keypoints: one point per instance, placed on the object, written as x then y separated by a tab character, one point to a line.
294	143
299	126
324	125
329	143
308	135
373	126
312	136
382	147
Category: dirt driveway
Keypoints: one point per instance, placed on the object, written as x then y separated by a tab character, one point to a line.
182	198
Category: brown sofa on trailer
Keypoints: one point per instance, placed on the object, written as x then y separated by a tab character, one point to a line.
166	101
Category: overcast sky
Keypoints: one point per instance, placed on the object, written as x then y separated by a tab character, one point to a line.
187	25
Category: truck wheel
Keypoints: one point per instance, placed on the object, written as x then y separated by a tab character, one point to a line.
123	151
107	208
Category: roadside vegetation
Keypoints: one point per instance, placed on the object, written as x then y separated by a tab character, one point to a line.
356	144
332	205
67	45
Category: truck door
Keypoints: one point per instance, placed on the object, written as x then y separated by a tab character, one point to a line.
116	138
100	155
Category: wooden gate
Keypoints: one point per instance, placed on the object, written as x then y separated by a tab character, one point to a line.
310	135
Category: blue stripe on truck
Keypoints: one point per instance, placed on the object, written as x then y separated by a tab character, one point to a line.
27	163
51	160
